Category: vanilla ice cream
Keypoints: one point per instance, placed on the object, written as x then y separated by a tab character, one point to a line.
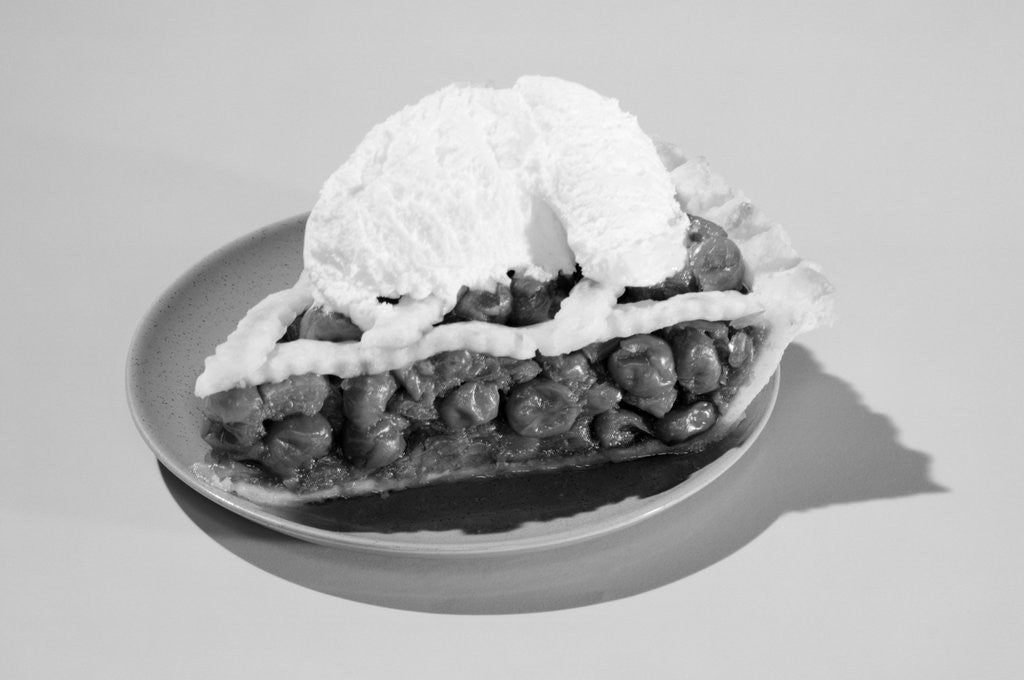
472	182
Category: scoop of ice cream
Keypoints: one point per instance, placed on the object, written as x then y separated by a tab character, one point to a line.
472	182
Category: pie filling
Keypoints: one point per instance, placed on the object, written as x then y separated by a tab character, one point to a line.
461	413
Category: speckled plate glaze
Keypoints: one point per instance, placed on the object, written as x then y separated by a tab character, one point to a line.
470	518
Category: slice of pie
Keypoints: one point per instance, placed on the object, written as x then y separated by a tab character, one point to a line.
503	281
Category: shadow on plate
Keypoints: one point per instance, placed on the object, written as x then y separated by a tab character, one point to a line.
821	447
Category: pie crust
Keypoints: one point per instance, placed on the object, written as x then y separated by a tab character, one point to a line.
785	296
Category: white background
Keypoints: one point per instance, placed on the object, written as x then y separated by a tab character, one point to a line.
887	136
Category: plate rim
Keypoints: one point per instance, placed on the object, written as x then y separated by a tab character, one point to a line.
373	543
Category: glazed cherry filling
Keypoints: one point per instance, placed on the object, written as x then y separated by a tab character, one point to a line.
462	409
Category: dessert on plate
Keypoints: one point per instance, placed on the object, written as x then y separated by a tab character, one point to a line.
501	281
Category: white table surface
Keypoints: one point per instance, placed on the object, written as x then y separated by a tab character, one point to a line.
874	531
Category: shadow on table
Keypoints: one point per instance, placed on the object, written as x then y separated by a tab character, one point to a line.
822	446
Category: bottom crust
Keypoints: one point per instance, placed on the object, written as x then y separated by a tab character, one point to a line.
258	486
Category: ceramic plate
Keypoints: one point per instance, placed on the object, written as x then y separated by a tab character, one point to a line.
490	516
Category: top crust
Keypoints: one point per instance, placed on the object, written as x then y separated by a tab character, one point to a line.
788	296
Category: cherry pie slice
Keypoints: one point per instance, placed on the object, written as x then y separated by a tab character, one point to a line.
602	341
